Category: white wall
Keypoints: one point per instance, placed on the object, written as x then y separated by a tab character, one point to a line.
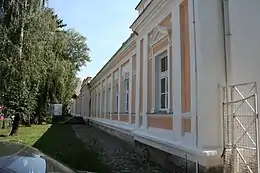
244	42
243	65
210	71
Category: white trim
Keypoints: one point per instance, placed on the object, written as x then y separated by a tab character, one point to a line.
154	55
145	80
137	93
159	29
163	140
162	75
176	71
193	89
169	75
111	96
119	92
101	98
158	12
129	44
153	81
160	51
159	115
130	89
126	95
123	61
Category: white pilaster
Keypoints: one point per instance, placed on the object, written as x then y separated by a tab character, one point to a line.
153	81
105	102
169	74
137	93
94	102
176	72
97	102
96	106
145	64
101	98
111	95
119	92
130	89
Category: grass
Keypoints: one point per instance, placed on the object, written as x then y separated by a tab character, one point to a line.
27	135
60	142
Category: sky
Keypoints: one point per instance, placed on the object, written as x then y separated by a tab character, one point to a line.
105	24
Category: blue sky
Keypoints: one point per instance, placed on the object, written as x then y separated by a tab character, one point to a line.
105	23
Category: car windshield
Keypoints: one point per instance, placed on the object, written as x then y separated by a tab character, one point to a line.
17	158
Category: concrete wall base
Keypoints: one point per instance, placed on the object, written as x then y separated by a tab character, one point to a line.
168	161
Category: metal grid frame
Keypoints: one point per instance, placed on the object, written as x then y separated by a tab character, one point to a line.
241	129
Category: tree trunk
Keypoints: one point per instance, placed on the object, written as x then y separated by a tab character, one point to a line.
3	125
15	125
22	30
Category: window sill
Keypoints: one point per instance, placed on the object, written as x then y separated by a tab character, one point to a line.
160	113
186	114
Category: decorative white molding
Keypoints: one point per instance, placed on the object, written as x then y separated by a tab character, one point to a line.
158	34
130	89
137	93
119	94
145	80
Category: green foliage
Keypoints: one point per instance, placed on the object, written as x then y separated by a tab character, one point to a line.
46	70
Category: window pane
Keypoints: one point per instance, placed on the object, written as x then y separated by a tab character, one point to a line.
164	64
166	101
163	101
163	85
127	85
166	84
116	103
127	102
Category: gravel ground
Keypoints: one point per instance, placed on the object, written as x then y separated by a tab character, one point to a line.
113	152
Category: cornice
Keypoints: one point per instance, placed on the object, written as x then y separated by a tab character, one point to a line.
125	46
155	10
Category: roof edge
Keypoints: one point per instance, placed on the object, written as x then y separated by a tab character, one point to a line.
137	6
115	54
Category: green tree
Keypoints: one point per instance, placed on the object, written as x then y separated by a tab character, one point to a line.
39	61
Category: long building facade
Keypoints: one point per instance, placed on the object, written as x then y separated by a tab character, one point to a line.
163	87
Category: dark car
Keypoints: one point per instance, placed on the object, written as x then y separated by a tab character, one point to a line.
18	158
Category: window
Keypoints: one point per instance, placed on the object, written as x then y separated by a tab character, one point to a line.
117	98
103	101
108	100
164	64
163	82
126	88
98	106
164	93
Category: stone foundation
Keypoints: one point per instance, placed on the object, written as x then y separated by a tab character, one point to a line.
171	162
168	161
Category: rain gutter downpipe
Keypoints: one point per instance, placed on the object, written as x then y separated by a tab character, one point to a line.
196	75
226	33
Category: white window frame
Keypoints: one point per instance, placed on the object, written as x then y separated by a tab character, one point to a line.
126	95
103	101
108	100
99	102
162	75
117	97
